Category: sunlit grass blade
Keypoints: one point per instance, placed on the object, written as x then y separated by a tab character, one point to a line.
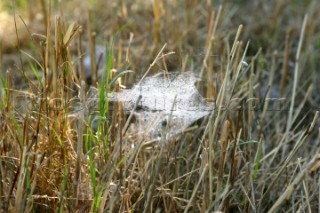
118	75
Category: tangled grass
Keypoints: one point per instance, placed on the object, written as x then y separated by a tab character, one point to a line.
257	151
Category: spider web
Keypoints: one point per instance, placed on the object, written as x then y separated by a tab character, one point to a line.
168	104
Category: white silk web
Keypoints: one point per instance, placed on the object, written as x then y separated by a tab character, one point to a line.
168	104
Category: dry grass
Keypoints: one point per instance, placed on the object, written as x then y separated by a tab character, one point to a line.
258	151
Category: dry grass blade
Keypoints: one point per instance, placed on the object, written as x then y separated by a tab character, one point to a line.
290	189
296	70
294	150
196	188
153	63
71	32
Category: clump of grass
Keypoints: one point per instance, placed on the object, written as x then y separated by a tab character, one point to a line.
250	148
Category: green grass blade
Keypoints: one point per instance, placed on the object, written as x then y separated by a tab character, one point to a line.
257	163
